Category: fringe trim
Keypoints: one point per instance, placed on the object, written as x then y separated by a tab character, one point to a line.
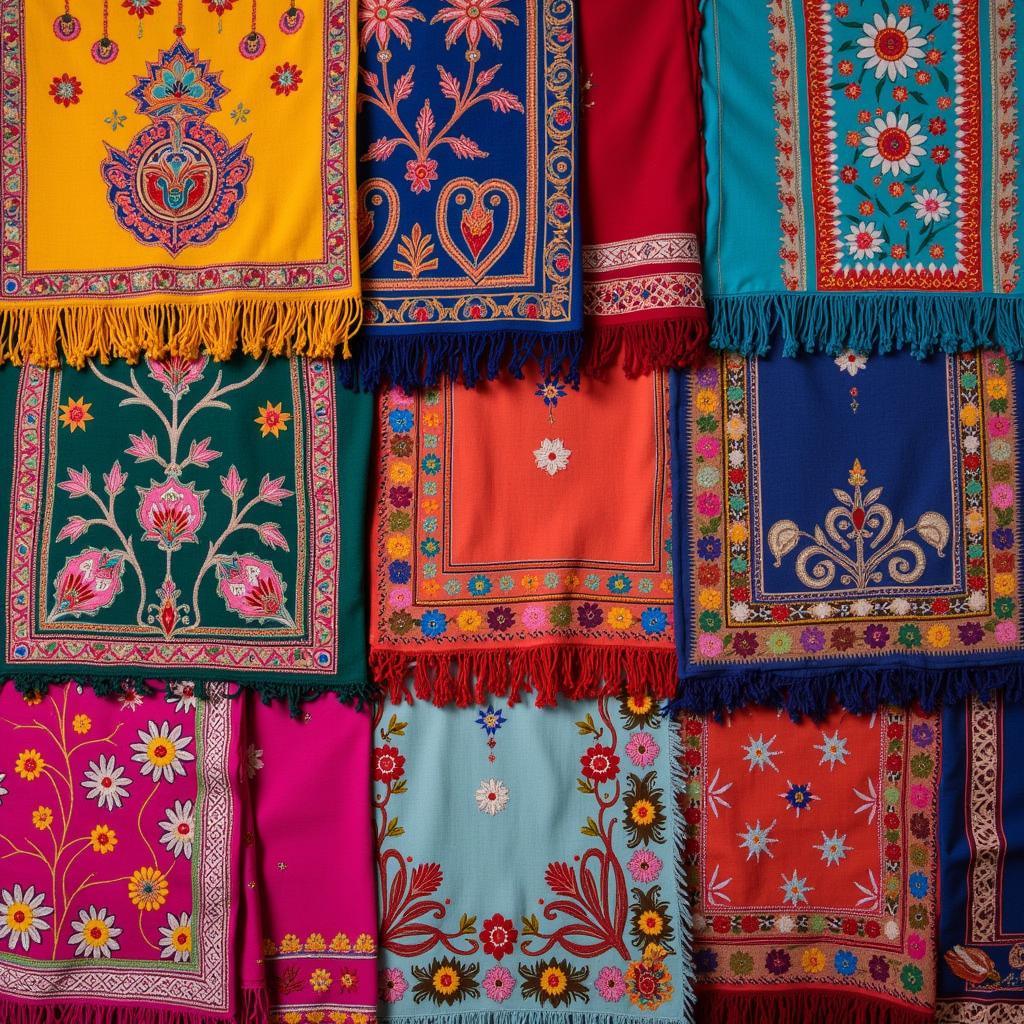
526	1016
253	1008
799	1005
921	323
421	360
467	677
682	885
859	689
646	345
283	326
296	695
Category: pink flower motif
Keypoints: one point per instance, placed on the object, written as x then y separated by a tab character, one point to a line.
400	598
232	485
201	454
709	645
77	484
73	528
381	18
272	536
916	947
645	866
708	504
474	19
272	492
88	582
392	985
171	513
177	374
1002	495
143	447
499	984
253	588
1006	632
534	617
706	447
642	749
114	481
610	984
920	795
998	426
421	173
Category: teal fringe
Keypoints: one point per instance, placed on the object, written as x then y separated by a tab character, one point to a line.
679	863
921	323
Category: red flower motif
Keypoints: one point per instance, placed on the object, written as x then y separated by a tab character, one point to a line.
892	851
600	763
1002	562
720	924
140	8
381	18
749	923
849	926
892	821
65	90
894	731
388	764
940	606
421	173
474	19
894	763
286	79
498	936
872	929
937	126
852	91
780	613
708	575
848	175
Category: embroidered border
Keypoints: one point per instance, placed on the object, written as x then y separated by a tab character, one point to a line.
1005	144
638	252
206	984
622	296
964	1011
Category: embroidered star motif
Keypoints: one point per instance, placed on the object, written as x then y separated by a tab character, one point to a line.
756	840
760	754
833	750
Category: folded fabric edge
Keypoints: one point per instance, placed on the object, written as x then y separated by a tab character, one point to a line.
253	1008
771	1006
188	327
812	692
466	677
876	322
294	694
680	832
411	361
677	342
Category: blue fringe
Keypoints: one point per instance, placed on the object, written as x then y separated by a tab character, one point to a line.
876	322
859	689
420	360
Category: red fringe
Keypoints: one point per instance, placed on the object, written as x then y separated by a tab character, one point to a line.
465	677
646	345
253	1008
798	1006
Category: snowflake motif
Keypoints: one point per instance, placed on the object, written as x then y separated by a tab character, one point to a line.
795	889
714	793
833	848
833	750
240	114
799	797
115	120
869	800
870	891
756	840
759	753
716	888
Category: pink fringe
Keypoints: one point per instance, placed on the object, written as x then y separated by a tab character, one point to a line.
646	345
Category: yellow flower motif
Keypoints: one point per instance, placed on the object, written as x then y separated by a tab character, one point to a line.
431	587
642	812
102	839
738	533
710	599
651	923
735	428
997	388
446	980
938	636
470	620
75	414
813	960
271	420
431	419
338	1016
359	1018
290	944
32	698
529	583
639	705
340	944
347	980
400	473
147	889
975	522
969	415
364	943
620	618
706	401
315	1016
42	818
292	1017
30	765
431	506
81	724
269	947
320	980
399	546
315	943
553	980
1003	583
667	585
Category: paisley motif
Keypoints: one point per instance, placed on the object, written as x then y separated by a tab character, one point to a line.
476	249
375	196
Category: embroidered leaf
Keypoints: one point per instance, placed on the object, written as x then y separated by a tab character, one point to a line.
395	727
464	147
782	538
271	491
531	926
467	924
394	829
590	829
872	496
425	123
73	528
416	248
586	725
114	481
201	454
271	535
77	483
933	529
399	787
381	149
232	485
403	86
143	447
503	101
450	85
561	879
369	78
584	786
426	879
842	497
484	78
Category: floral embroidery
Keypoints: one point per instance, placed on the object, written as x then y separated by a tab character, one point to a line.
552	456
66	90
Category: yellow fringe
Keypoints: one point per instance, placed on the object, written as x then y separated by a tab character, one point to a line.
280	326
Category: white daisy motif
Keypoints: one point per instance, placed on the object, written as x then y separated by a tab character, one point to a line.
864	241
851	362
178	829
176	939
891	47
130	699
161	751
715	793
931	205
795	889
94	934
861	608
759	753
552	456
821	610
106	783
253	760
716	888
492	796
833	848
21	916
868	799
833	750
756	840
3	791
182	695
894	143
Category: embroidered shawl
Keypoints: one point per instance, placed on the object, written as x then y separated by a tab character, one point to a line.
863	165
467	206
811	855
981	915
184	518
177	179
642	200
505	555
848	527
583	922
156	861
